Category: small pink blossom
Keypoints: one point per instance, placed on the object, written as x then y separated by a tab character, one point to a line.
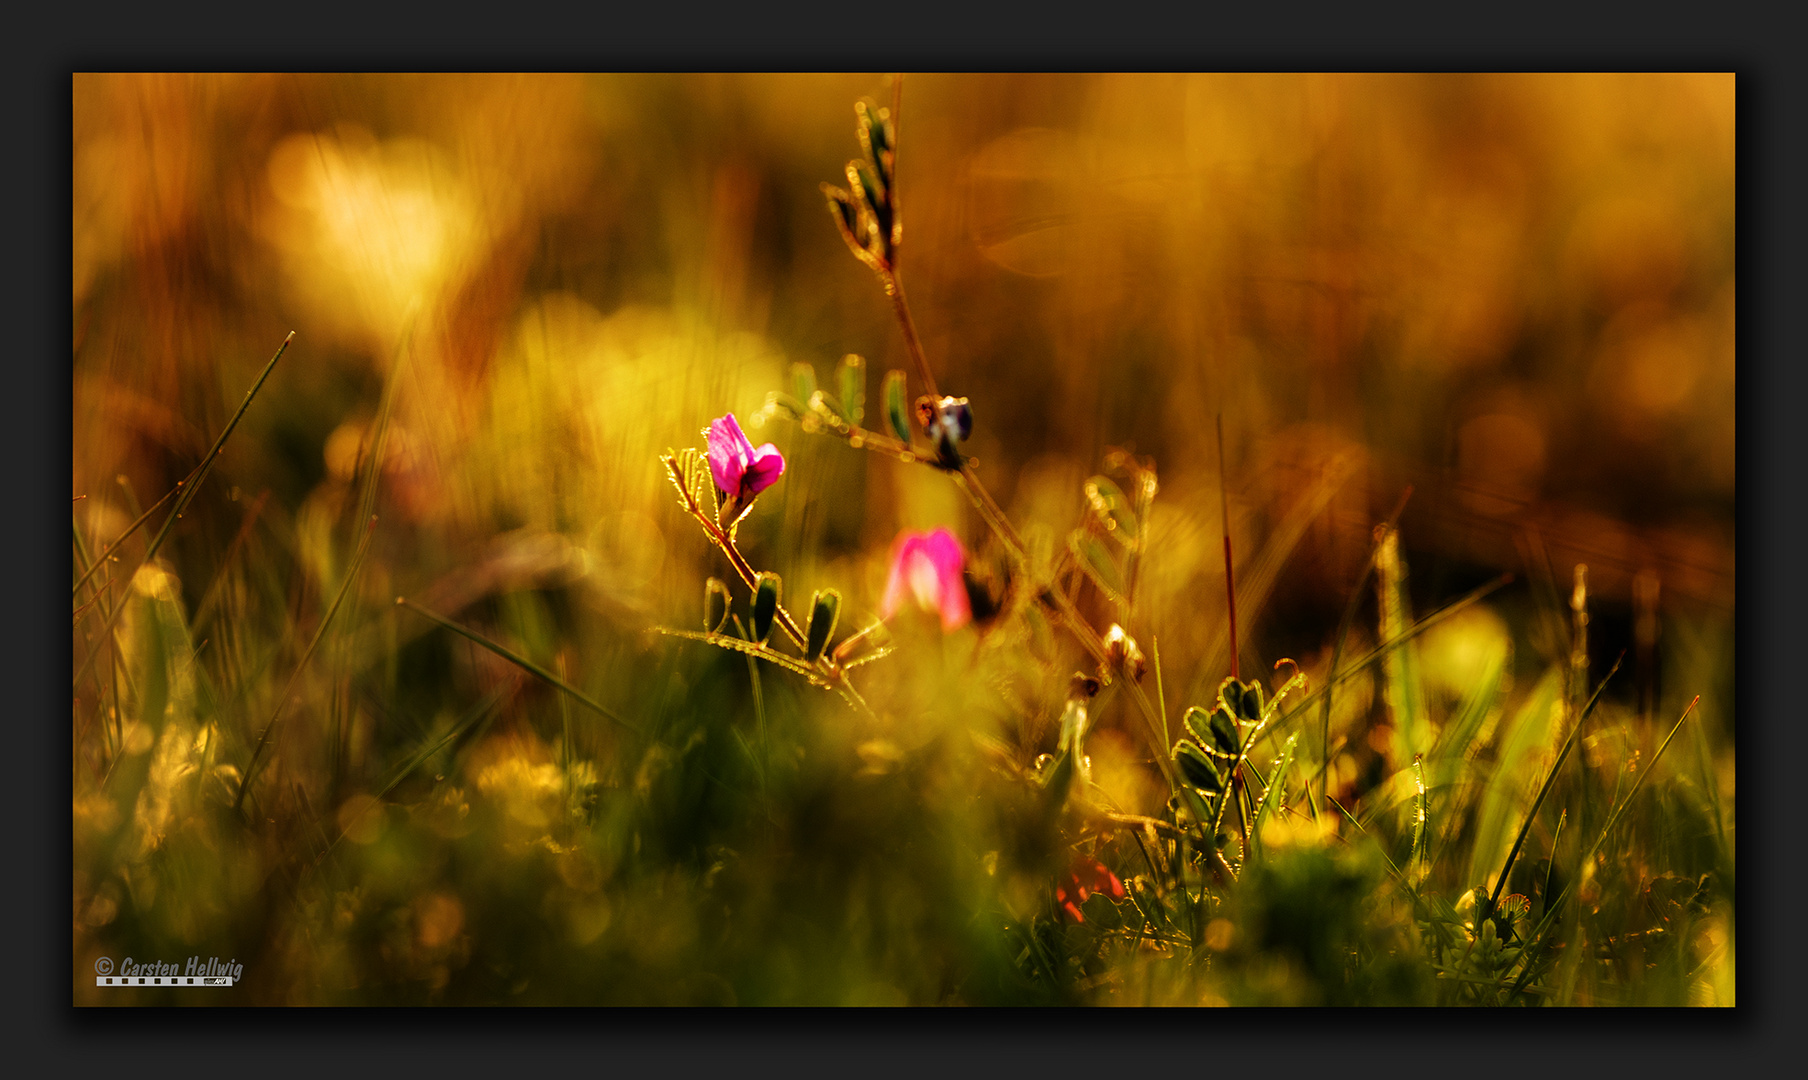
741	470
926	569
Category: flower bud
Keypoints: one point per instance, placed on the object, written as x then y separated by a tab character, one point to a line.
1123	655
740	469
948	423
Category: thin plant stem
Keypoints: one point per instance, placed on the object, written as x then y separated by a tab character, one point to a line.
835	674
1230	588
519	661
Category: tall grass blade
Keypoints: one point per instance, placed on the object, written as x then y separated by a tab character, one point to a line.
1271	798
1416	864
472	720
1343	633
1550	868
1550	778
1401	686
351	575
1502	791
1380	651
1613	819
519	661
188	490
107	553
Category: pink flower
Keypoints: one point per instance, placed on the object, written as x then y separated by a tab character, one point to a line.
741	470
926	568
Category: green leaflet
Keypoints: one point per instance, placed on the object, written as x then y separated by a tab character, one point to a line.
825	609
853	388
896	413
1097	563
765	607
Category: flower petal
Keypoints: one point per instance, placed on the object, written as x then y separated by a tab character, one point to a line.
926	569
944	551
729	453
763	470
898	583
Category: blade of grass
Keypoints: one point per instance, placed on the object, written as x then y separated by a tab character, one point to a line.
1401	687
130	529
1343	633
1457	740
1417	867
482	711
213	453
1531	736
1385	647
200	474
1550	867
1351	818
1613	819
1161	697
519	661
1272	796
1230	590
1550	778
351	575
379	443
204	610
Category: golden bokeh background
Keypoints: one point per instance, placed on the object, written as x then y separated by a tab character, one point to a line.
1511	293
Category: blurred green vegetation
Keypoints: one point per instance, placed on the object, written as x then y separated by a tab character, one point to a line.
512	294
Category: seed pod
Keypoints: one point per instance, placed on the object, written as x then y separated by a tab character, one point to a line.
765	607
1123	655
825	609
